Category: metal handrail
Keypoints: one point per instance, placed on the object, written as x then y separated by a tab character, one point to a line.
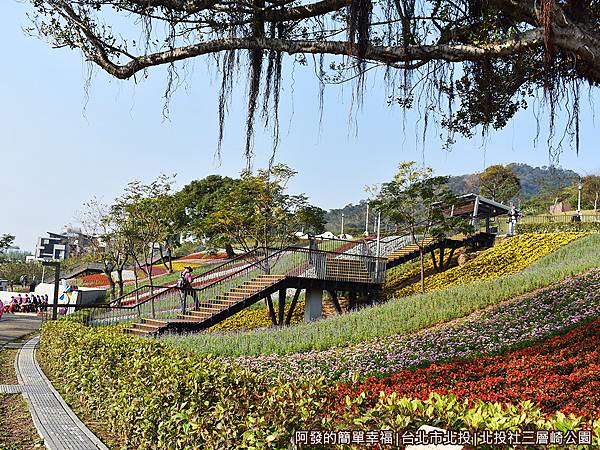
215	282
119	300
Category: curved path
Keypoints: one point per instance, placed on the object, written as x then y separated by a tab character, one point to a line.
58	426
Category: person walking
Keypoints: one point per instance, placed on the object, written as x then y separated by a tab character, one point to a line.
185	285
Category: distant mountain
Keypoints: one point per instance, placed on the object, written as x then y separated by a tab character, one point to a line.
533	181
354	218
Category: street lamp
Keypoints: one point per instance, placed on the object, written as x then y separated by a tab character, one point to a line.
579	198
367	221
56	265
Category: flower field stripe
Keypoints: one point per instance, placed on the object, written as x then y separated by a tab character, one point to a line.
559	374
398	412
150	396
515	323
402	316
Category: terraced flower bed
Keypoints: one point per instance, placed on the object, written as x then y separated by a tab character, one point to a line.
526	319
518	351
96	279
559	374
148	395
510	256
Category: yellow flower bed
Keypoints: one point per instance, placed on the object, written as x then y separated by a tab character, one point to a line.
510	256
179	266
404	272
249	319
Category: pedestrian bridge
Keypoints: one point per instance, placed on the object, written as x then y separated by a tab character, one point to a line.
341	268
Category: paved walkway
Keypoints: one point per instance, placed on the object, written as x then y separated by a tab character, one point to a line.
58	426
16	326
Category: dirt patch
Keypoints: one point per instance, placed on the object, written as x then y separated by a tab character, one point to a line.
7	367
18	433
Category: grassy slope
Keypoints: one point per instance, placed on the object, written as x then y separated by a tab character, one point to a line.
404	315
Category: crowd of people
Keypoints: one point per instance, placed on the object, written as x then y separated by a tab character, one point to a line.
26	303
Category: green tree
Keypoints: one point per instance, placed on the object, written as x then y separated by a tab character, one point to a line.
13	270
590	192
417	201
499	183
198	200
311	219
256	211
144	213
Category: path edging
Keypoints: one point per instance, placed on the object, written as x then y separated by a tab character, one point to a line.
50	440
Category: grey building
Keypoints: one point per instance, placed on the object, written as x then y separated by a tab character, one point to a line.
61	246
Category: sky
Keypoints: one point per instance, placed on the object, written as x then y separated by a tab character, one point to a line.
60	147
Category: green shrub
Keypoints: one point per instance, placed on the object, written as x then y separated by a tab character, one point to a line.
152	396
557	227
395	412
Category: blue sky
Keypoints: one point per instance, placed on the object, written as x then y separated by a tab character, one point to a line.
55	155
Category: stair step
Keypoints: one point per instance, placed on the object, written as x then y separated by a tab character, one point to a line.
135	332
190	318
146	327
199	313
158	323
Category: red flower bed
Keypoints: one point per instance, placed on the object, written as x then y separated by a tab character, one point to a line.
560	374
156	271
97	279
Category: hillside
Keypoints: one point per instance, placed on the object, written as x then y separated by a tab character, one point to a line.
533	181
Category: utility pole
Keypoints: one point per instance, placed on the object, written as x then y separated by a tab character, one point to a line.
378	234
342	233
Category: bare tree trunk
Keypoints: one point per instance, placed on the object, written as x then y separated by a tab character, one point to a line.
120	282
166	263
111	284
422	260
229	251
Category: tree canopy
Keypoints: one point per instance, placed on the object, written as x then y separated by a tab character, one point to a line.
499	183
507	52
417	201
256	210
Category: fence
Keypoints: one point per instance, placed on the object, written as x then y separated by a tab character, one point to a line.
559	218
144	292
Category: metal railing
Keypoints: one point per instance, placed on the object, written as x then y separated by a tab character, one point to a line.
144	292
366	246
290	262
559	218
